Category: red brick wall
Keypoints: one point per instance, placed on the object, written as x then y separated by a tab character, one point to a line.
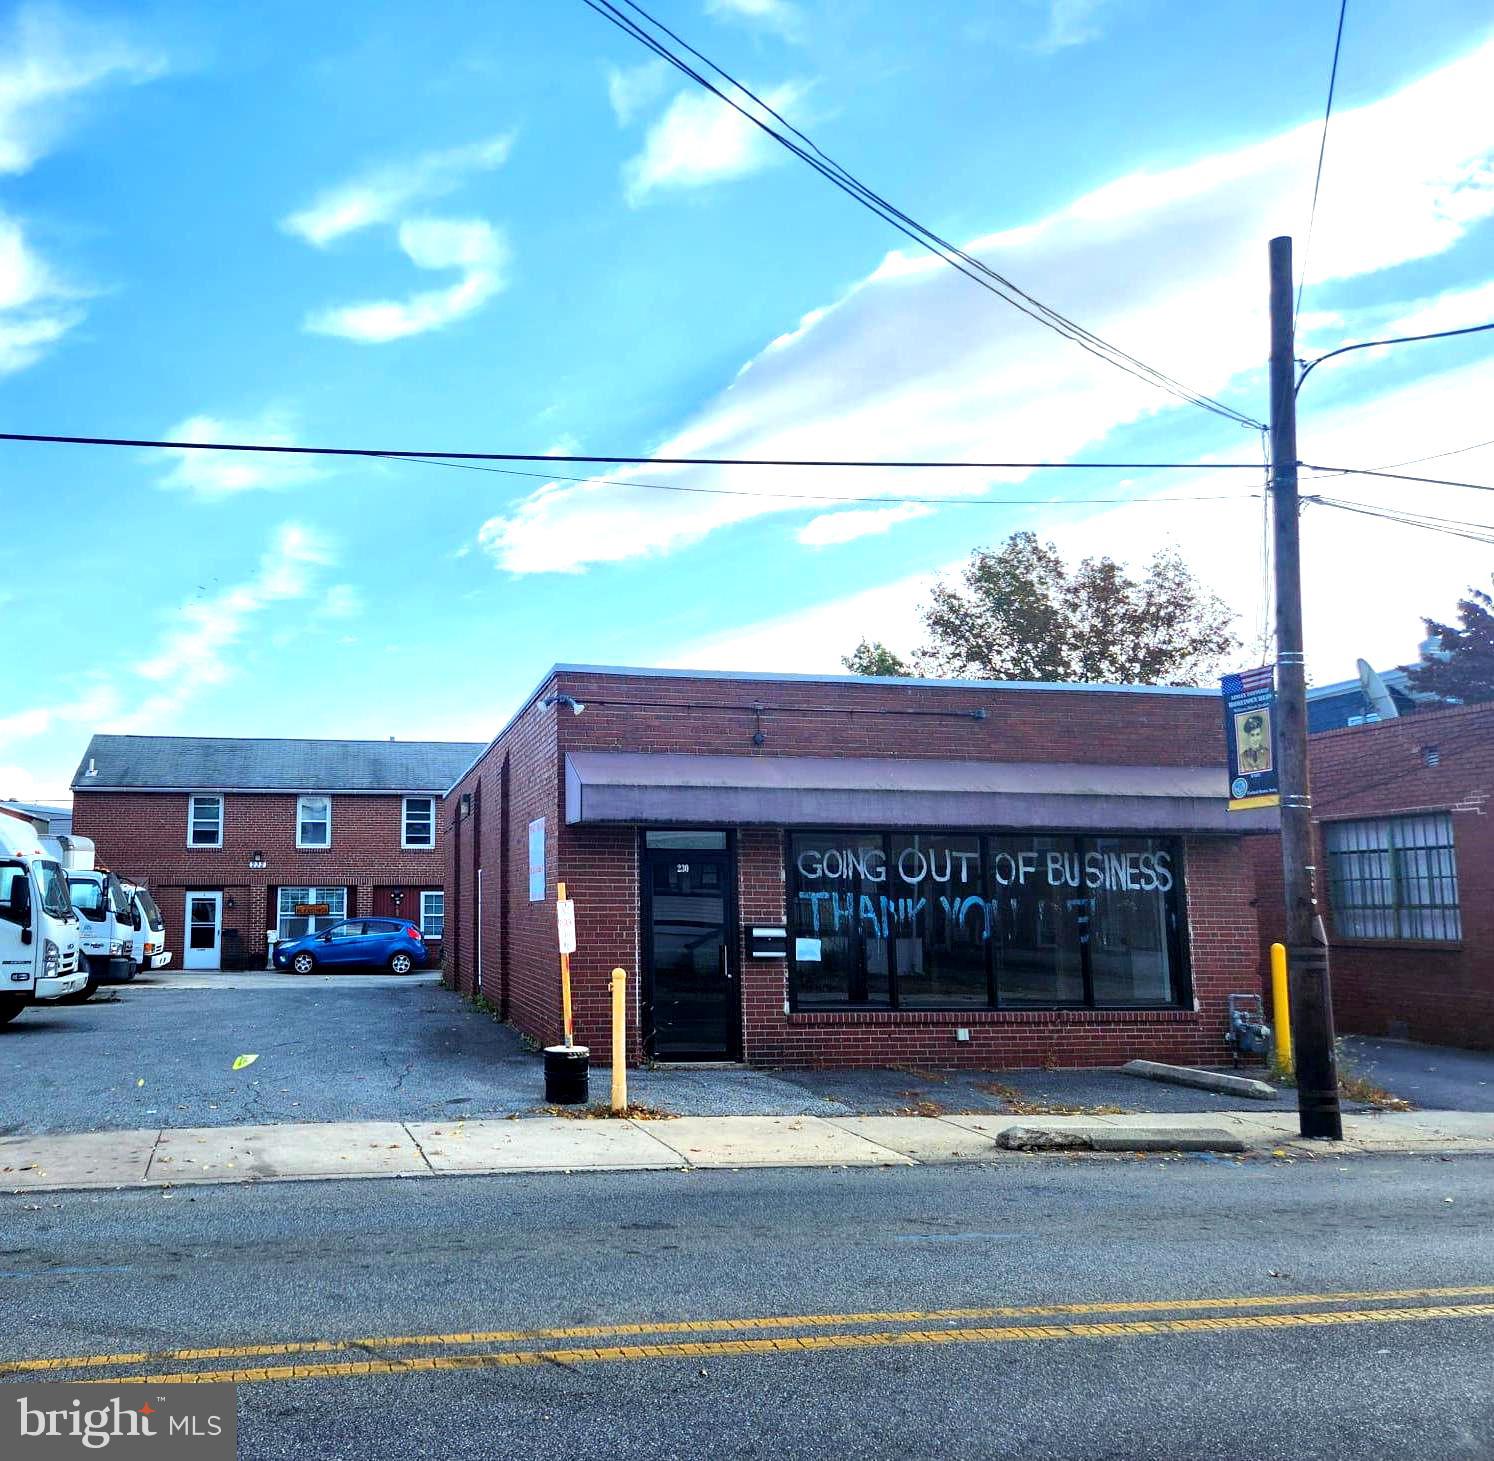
143	837
1441	994
600	865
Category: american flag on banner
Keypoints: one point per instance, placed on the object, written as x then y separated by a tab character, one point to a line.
1248	681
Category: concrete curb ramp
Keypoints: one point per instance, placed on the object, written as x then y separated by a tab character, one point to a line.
239	1154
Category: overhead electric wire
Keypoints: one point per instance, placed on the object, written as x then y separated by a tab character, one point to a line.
1396	476
413	454
1453	452
1449	527
1312	365
823	497
925	237
1312	214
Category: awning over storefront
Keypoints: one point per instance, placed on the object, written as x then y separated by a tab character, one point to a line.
610	787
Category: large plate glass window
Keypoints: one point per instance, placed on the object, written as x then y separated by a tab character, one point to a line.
205	821
939	920
432	913
1394	878
313	821
419	822
293	925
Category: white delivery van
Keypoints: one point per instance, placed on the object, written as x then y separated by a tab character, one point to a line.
148	949
40	956
107	918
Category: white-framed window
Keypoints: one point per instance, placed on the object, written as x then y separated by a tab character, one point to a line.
204	820
1394	878
291	924
418	826
313	821
433	913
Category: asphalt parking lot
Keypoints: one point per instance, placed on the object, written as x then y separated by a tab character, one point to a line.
161	1053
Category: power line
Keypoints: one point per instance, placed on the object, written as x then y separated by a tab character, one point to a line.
972	267
1397	476
823	497
1392	340
1312	214
1449	527
1453	452
614	460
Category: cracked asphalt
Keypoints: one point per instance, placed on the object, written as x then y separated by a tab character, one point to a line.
161	1054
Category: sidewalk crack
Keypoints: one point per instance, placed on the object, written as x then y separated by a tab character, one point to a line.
150	1161
405	1127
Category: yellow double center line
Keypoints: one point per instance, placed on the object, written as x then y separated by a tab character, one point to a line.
459	1351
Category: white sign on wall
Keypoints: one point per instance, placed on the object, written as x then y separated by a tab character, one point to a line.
537	860
565	920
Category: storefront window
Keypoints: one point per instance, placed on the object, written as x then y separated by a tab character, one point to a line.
293	925
930	920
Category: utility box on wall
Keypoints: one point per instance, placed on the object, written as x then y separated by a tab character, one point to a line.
768	943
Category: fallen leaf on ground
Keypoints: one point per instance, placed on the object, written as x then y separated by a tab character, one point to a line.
239	1062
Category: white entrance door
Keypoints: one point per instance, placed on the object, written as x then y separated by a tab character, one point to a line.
204	931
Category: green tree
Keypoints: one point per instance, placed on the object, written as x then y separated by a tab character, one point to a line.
1460	665
1019	612
872	657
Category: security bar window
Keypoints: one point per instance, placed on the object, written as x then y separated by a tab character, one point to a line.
313	821
419	822
432	914
205	821
1394	878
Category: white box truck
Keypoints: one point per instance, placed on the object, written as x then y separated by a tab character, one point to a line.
40	956
108	921
149	949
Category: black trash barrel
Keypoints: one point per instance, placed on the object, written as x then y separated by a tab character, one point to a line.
566	1070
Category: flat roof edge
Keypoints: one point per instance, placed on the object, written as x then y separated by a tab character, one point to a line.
774	677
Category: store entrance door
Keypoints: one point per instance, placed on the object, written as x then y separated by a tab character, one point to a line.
692	1004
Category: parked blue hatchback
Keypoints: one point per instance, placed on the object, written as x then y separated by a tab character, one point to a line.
380	943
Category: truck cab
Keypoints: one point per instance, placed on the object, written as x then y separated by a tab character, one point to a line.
148	948
108	921
40	957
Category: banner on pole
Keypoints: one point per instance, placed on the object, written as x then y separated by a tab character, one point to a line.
1250	738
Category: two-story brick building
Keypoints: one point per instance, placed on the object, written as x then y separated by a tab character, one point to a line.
237	837
833	870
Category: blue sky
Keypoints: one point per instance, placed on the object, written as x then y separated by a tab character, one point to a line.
501	228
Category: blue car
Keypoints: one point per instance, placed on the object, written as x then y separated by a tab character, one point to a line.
380	943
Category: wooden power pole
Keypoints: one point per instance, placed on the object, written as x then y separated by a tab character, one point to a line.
1307	953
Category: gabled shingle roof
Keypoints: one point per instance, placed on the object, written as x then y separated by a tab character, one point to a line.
211	763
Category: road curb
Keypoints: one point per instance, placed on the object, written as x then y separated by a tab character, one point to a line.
1117	1139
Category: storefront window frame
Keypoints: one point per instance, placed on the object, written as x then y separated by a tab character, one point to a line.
1179	952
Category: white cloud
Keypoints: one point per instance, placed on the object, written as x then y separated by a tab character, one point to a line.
221	474
47	61
1071	23
94	703
383	194
36	308
847	525
911	362
776	15
341	601
194	651
700	140
1389	576
632	89
470	245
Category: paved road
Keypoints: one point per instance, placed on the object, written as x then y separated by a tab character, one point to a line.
1432	1077
1185	1376
354	1050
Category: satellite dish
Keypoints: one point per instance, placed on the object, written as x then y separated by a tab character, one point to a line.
1380	699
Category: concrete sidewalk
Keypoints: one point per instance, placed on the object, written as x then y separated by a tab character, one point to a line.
170	1157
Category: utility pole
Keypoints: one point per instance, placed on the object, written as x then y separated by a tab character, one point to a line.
1307	954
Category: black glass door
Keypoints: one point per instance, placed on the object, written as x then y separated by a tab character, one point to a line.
693	989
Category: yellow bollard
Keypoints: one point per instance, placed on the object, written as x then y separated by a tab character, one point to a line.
1281	1006
619	1040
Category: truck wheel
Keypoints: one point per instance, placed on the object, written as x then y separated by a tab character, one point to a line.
10	1006
400	964
303	963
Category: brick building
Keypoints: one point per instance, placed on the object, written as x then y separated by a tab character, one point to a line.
1404	844
235	837
835	870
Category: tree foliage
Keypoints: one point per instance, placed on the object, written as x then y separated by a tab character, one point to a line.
1019	612
1460	665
